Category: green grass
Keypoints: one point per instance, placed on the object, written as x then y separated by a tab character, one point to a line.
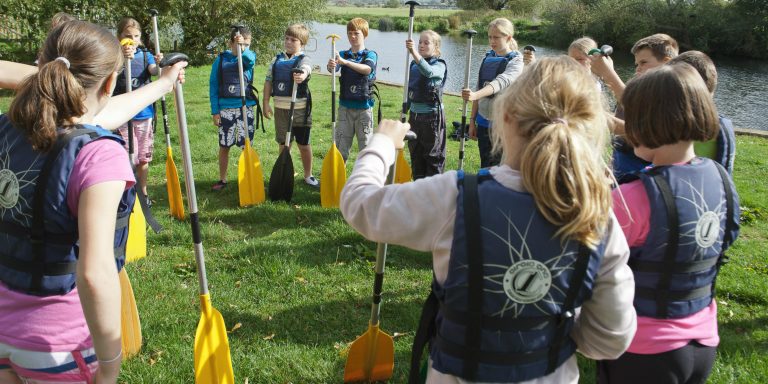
392	12
295	280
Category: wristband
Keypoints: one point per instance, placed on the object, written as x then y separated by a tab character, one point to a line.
112	360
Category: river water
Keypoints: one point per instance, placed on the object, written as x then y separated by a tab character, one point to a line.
741	95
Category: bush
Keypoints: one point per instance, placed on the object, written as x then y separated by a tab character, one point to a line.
386	24
454	21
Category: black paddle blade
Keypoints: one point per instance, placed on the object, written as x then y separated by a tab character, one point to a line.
281	180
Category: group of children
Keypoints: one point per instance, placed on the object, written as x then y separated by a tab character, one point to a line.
536	256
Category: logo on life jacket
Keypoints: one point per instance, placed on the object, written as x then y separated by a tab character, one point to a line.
9	189
353	88
281	86
232	89
527	281
707	229
135	83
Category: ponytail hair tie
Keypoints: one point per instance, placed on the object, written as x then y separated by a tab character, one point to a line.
63	60
560	120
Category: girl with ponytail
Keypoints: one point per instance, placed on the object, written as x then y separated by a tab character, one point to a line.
64	185
529	261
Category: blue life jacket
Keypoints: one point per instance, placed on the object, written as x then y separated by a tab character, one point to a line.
506	309
229	80
356	86
140	75
493	66
282	77
421	89
726	144
694	219
38	234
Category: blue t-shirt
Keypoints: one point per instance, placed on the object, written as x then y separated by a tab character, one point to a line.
149	110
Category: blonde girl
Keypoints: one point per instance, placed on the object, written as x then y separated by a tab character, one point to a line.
579	51
425	95
500	67
530	241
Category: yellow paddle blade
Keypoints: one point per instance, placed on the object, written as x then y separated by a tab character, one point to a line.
371	357
333	176
403	172
175	203
136	246
250	177
129	319
213	363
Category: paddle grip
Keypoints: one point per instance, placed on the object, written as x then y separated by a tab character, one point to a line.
529	48
195	221
410	136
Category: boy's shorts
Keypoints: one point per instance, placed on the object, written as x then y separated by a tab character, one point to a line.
299	131
76	367
143	139
230	118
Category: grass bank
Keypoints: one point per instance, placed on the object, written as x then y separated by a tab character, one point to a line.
293	282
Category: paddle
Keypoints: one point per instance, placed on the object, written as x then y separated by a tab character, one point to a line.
175	204
129	319
250	176
334	172
470	33
281	180
136	246
403	173
213	363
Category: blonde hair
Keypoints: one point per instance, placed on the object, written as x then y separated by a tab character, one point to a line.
560	118
56	94
583	44
125	23
435	38
298	31
358	24
506	27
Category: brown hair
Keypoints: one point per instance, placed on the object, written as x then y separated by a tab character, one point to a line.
661	45
701	63
298	31
358	24
561	120
668	104
60	17
125	23
244	31
56	94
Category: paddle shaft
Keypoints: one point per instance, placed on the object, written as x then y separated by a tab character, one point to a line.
159	71
129	89
464	106
333	92
243	108
407	65
294	90
189	180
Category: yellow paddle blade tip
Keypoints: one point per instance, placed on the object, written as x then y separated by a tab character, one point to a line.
371	357
127	41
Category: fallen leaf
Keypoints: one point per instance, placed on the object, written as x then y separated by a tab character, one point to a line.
237	284
269	337
301	280
398	334
235	327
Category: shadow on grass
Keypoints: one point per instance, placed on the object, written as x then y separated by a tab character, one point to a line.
744	336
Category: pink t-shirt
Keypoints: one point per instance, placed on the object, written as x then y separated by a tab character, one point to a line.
658	335
57	323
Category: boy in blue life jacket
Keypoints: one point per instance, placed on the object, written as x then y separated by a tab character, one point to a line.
357	67
279	84
143	66
224	94
723	148
650	52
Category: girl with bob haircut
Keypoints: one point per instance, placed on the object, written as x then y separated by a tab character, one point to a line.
679	217
529	262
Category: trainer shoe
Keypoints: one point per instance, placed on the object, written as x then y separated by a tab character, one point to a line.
148	201
311	181
219	185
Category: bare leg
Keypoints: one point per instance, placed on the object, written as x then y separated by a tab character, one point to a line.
142	172
223	163
9	377
306	159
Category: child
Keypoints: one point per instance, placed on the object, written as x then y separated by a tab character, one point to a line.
427	116
723	148
500	67
538	247
579	51
224	94
279	83
650	52
678	219
358	74
52	331
142	68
